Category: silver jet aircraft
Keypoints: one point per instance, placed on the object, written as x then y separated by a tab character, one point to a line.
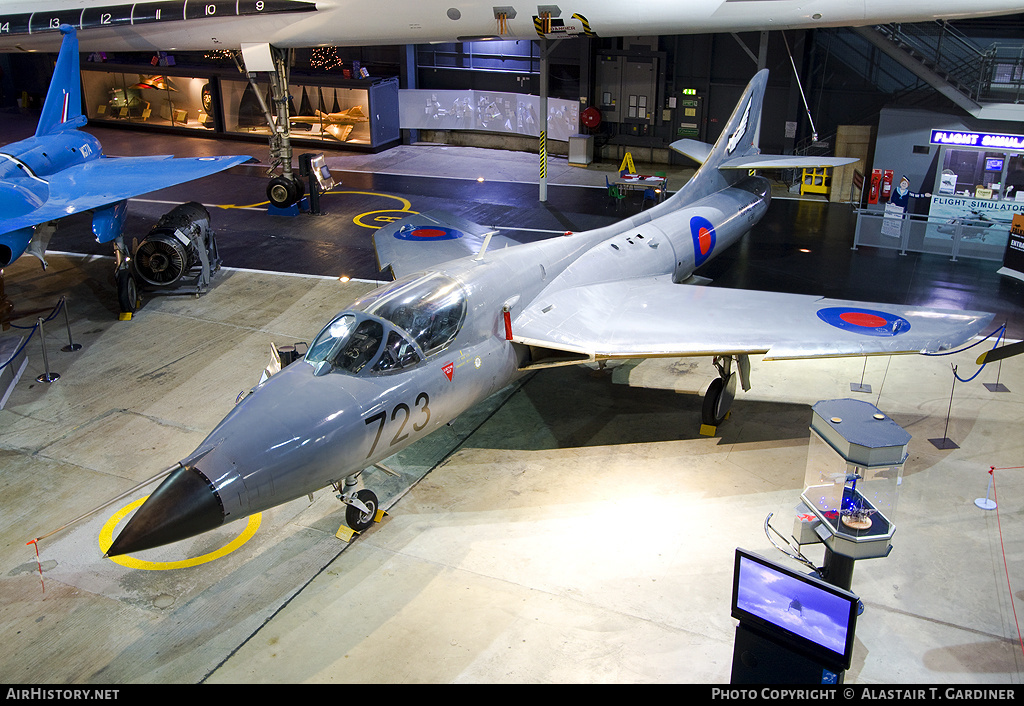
471	311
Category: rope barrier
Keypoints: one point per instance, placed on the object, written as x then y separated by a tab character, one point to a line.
33	328
1006	567
1000	330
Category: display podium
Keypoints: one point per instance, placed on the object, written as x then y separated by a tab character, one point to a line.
757	658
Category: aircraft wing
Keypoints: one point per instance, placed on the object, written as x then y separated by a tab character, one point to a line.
425	240
649	318
108	180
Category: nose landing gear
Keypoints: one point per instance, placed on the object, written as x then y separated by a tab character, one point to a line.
362	507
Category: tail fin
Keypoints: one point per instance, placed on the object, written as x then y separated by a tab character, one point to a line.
62	109
737	141
736	151
739	138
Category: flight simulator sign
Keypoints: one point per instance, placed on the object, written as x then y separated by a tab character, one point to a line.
977	139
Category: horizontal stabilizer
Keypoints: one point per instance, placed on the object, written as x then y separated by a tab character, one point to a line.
107	180
694	149
785	161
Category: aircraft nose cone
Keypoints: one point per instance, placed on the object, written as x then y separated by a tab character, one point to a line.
183	506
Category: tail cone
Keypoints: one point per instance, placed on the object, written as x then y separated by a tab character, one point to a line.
183	506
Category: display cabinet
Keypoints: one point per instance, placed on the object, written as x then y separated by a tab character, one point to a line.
149	98
854	470
359	113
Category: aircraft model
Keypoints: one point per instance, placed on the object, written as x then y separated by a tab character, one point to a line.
264	31
472	311
338	125
61	170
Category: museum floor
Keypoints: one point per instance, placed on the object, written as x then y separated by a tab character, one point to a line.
576	528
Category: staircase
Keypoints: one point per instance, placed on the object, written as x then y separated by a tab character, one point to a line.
985	82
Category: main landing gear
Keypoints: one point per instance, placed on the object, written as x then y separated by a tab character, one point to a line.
722	390
127	286
286	188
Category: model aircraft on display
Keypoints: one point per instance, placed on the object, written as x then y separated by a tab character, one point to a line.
264	31
472	311
61	171
338	125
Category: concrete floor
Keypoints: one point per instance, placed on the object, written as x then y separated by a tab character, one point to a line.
575	529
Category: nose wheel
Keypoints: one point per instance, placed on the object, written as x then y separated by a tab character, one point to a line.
362	507
361	510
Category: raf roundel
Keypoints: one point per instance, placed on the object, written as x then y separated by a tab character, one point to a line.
867	322
427	233
703	232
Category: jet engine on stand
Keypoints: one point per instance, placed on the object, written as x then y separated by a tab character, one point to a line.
179	247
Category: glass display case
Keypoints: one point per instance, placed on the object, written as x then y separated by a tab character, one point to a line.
361	113
854	469
149	98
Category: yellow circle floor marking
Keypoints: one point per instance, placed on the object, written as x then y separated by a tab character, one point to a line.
382	218
380	221
106	538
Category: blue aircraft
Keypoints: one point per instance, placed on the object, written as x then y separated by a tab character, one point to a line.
61	170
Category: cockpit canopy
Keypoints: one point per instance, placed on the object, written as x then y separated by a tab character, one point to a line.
392	329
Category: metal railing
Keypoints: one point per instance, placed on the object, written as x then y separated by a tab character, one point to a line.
981	239
992	73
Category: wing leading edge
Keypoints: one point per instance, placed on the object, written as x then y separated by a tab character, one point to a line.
108	180
425	240
651	318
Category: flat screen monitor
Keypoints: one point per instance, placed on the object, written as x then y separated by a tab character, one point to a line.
808	614
993	164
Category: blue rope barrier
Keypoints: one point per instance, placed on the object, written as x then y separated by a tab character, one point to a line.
1001	330
34	327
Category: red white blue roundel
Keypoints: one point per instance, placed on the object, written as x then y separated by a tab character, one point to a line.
427	233
867	322
703	232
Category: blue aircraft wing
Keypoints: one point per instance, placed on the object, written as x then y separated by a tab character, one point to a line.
107	180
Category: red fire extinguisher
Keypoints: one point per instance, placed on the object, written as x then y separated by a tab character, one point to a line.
886	184
876	185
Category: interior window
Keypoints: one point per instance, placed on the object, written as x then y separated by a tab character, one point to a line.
430	309
361	346
398	353
330	338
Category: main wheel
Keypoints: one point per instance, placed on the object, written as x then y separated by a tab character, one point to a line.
717	400
127	291
283	192
356	518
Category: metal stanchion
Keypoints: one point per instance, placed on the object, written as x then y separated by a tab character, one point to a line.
71	346
47	376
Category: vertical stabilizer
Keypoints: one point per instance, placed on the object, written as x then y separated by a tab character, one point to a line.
62	109
738	139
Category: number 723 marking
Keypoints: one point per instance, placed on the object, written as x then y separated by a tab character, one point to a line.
400	414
